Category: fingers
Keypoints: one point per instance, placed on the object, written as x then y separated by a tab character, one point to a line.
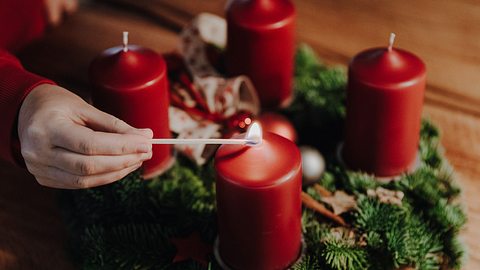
57	178
85	141
70	6
79	164
60	148
101	121
54	11
56	8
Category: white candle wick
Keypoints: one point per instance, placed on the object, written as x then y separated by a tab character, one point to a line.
391	41
125	41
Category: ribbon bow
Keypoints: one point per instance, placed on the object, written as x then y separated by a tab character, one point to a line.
202	100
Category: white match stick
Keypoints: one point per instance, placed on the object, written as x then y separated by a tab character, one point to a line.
203	141
125	41
253	137
391	40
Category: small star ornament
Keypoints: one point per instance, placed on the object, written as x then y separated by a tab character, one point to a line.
386	195
340	202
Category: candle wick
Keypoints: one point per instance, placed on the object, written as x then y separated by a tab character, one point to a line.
390	44
125	41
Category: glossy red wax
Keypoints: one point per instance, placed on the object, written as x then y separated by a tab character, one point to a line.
278	124
259	203
260	44
132	86
384	105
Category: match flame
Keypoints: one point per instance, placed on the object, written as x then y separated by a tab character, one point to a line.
254	134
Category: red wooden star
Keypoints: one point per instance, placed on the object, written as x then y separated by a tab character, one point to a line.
191	247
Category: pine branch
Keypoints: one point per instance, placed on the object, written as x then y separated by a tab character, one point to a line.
134	246
447	216
343	254
454	251
358	182
308	263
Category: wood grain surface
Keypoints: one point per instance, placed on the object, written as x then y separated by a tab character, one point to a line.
443	33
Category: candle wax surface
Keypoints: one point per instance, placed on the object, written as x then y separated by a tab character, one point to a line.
269	163
380	67
119	70
262	14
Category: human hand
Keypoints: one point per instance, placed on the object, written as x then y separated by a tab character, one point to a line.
67	143
56	8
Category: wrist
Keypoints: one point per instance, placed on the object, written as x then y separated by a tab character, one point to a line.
29	101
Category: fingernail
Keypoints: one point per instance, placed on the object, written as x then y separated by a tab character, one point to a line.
145	148
146	132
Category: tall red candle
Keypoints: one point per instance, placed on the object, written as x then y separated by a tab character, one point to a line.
260	44
130	82
259	203
384	105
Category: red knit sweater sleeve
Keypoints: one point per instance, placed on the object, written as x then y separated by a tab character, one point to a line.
21	21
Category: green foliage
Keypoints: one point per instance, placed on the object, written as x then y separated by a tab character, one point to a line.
183	187
401	238
128	224
328	181
319	97
143	246
456	251
307	263
433	187
429	142
316	86
358	182
344	254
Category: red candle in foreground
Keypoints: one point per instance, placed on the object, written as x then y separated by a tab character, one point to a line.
384	105
278	124
259	203
260	44
130	83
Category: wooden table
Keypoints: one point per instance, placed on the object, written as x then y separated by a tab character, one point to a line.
443	33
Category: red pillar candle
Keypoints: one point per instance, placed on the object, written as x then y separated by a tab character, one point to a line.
260	44
384	105
259	203
278	124
130	82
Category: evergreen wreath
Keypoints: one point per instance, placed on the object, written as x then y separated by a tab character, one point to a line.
130	224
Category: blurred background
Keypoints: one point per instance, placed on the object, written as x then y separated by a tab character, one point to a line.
445	34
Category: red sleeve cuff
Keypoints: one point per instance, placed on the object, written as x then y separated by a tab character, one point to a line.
15	84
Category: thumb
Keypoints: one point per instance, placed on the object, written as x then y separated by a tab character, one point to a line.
101	121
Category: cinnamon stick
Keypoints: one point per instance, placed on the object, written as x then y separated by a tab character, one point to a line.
311	203
322	191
